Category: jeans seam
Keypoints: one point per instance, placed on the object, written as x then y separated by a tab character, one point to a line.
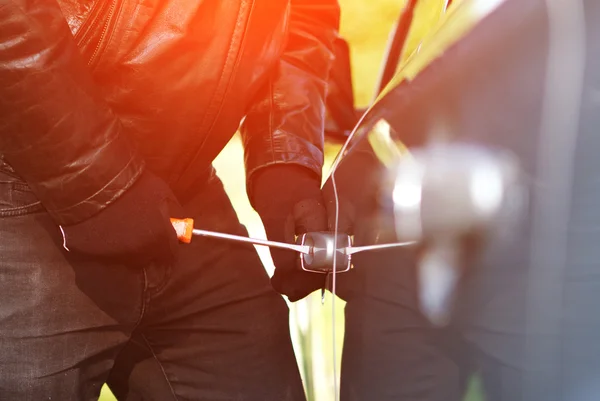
21	210
17	186
153	292
162	368
143	303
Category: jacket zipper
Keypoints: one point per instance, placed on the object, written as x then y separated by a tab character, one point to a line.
85	29
111	11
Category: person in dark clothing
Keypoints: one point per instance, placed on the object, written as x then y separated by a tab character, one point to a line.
111	115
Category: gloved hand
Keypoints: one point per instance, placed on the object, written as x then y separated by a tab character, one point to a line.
135	229
289	202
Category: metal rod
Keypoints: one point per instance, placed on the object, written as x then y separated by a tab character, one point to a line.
356	249
350	250
255	241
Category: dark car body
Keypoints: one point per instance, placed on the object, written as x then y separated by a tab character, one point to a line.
523	77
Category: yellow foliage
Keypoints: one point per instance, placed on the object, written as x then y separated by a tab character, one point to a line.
366	25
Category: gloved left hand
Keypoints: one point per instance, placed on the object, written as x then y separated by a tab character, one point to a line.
289	201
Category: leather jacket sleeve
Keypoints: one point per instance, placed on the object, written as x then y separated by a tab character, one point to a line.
55	130
286	122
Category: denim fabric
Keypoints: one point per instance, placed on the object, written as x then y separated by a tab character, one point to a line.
207	328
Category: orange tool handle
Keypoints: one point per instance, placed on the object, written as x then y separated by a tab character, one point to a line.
184	229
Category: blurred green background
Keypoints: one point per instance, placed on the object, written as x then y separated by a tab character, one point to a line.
366	24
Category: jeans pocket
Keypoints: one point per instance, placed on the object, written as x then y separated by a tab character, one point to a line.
16	198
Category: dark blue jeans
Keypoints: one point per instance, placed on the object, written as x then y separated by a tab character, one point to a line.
208	328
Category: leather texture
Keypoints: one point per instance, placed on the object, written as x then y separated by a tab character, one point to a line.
94	91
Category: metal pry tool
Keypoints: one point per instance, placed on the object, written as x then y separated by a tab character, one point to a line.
316	249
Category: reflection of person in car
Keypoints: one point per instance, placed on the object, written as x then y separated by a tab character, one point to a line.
526	314
111	115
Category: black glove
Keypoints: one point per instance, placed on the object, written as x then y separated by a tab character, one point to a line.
289	202
135	229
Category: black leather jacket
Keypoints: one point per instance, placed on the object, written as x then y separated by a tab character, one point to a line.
122	84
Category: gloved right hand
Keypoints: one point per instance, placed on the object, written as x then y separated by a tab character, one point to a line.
289	201
135	229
